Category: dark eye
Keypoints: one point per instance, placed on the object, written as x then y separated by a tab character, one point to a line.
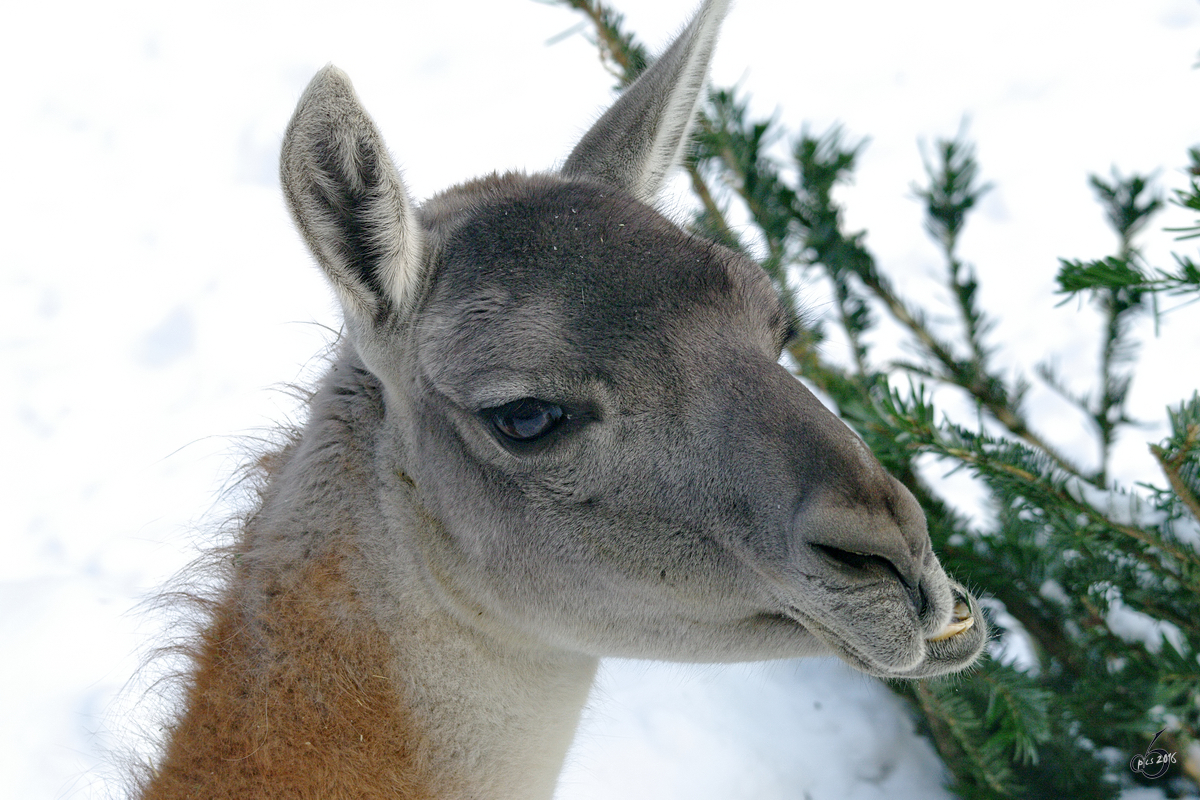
526	419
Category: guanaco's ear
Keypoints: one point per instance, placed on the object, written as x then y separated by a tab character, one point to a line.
349	202
643	134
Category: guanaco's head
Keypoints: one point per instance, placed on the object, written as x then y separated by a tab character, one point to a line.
590	405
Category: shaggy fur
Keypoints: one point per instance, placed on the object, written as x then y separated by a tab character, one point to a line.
295	692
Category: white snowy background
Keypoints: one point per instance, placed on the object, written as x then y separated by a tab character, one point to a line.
155	297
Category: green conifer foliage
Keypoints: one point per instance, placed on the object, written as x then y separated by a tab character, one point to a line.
1067	552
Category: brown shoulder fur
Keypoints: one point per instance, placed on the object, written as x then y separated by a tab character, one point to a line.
295	695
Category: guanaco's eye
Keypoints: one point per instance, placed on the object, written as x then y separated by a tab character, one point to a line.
526	419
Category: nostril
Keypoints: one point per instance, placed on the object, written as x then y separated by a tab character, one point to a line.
855	561
863	562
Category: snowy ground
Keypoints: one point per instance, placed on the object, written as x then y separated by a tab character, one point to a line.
154	294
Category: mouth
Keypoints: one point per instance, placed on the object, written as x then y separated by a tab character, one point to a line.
960	622
951	648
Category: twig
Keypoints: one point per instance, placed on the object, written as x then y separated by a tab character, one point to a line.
1171	466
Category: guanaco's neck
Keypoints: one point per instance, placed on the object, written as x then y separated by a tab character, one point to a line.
299	693
323	675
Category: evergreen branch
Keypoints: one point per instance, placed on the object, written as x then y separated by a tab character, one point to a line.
1116	273
1127	211
987	390
822	163
913	422
1048	375
1124	206
1179	458
736	152
1017	708
1118	284
1047	631
1063	497
622	56
954	727
1189	198
738	148
953	189
1186	280
714	218
952	192
1170	469
914	321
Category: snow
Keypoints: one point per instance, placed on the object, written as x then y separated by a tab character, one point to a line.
154	299
1134	626
685	731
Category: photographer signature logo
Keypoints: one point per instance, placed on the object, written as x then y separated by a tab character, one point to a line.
1154	762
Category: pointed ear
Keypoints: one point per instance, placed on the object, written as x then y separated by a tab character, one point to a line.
643	134
348	200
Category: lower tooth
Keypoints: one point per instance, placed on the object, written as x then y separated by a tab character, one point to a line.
961	622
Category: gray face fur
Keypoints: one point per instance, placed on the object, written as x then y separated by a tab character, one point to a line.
682	495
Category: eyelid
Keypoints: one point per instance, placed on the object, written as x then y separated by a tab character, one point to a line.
501	393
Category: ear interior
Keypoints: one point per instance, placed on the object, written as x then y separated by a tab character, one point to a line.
348	201
637	141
